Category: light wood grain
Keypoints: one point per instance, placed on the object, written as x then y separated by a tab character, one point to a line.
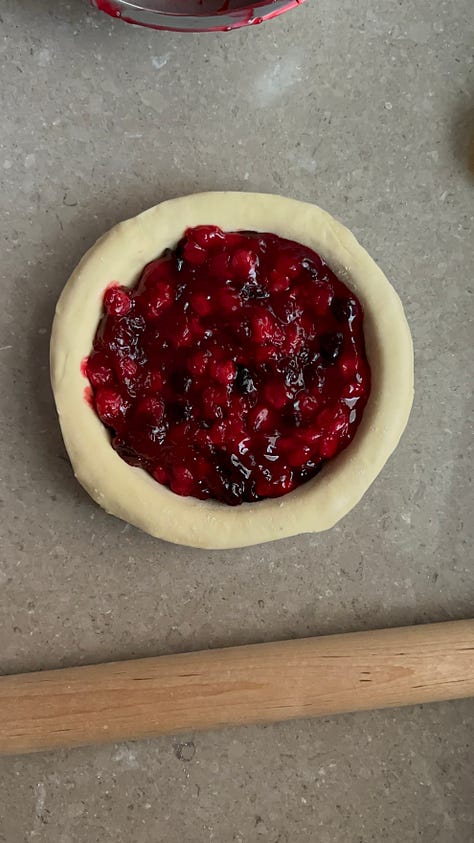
258	683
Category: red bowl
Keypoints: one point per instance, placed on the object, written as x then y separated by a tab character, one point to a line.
194	15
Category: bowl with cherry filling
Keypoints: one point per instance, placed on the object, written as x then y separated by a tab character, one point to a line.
230	368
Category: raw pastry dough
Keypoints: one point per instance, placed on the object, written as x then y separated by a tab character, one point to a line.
130	493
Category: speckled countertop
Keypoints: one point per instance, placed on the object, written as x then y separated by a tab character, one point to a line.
368	109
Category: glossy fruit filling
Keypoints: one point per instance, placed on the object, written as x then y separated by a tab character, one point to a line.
234	369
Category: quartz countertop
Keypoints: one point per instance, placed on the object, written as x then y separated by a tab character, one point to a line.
367	109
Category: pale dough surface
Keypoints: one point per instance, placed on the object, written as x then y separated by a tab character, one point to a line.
130	493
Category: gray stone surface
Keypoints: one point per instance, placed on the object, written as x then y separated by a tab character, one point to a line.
368	109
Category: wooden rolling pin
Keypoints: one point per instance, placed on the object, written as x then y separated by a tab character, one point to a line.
259	683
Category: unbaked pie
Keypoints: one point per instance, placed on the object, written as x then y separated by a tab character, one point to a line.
229	369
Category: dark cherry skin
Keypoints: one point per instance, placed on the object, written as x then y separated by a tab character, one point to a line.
234	369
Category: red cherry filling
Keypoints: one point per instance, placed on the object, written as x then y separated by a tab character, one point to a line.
233	369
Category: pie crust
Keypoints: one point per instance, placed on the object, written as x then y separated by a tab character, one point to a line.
132	494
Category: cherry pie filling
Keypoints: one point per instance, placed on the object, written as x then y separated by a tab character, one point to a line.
234	369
